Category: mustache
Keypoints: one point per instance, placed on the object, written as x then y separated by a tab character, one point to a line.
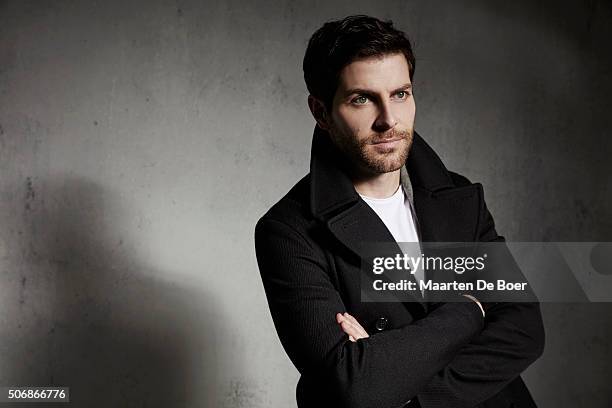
389	136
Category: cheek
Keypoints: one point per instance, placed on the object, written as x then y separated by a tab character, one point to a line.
351	121
407	111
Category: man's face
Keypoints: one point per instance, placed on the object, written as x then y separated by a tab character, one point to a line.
372	114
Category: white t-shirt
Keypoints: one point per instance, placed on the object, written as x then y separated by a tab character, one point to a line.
396	214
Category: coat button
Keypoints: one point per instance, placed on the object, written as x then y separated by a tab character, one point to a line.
381	323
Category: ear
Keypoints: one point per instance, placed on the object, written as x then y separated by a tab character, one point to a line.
319	112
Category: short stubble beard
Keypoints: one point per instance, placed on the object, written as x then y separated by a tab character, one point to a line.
366	158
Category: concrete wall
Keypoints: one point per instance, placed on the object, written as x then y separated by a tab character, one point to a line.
141	140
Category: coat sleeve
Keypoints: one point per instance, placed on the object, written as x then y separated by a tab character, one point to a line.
512	339
383	371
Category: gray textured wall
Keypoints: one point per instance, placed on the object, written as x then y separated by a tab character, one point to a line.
140	141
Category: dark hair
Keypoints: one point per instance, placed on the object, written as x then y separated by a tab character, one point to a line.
340	42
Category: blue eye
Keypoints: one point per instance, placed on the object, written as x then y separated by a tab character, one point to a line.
403	94
360	100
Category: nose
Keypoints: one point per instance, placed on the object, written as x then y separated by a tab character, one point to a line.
385	120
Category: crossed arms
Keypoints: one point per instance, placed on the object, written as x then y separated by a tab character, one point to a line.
452	357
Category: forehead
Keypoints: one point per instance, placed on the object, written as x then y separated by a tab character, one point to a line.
384	72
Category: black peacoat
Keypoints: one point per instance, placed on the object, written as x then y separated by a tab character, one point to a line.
418	353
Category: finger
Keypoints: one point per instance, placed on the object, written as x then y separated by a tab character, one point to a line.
351	318
345	324
351	338
358	326
355	323
351	330
348	327
351	326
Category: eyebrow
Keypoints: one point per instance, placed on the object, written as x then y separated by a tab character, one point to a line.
364	91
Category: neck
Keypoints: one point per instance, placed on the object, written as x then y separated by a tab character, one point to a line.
378	186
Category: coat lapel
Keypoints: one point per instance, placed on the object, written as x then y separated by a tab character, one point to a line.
359	227
445	213
449	216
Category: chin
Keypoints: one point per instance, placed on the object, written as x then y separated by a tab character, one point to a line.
385	163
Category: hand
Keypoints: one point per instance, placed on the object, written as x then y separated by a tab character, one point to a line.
351	326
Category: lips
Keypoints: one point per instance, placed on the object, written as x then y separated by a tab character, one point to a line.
387	145
386	141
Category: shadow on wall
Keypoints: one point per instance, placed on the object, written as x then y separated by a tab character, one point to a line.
87	316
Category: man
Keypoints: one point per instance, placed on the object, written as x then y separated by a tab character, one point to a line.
372	178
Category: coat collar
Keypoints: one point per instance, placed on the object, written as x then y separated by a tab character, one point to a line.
331	190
